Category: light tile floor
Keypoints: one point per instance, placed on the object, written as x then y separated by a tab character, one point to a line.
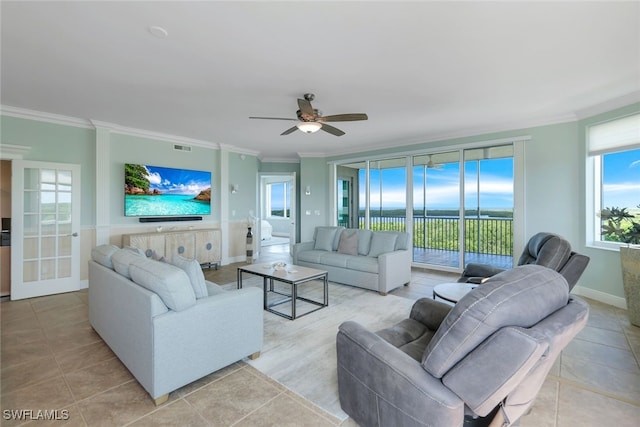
51	359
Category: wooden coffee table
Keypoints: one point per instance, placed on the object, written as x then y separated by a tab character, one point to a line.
292	275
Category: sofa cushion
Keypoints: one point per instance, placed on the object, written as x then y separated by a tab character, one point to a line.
102	254
336	239
122	258
324	238
519	297
169	282
382	242
348	244
402	242
194	271
312	256
334	259
409	335
364	241
363	263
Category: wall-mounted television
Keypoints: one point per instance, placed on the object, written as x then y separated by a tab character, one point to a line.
162	192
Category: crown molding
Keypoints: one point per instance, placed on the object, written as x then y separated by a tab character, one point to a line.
233	149
142	133
59	119
41	116
612	104
13	152
307	155
279	160
479	133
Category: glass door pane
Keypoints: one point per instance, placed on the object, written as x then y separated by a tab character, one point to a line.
350	195
436	209
388	194
488	200
344	202
47	236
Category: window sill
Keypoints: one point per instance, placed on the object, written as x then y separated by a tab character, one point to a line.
607	246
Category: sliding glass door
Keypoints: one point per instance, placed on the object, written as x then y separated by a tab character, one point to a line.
461	203
436	209
488	201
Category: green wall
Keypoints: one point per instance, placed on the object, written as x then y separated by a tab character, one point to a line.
57	143
243	170
134	149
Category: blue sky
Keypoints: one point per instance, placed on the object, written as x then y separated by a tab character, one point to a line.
496	186
621	183
178	181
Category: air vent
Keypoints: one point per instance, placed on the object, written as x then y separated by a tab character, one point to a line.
181	147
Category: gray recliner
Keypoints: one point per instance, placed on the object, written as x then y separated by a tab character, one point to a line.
483	359
546	249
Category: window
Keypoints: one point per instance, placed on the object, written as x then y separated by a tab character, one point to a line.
458	205
614	162
278	203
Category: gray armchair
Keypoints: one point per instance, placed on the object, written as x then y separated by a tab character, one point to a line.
483	359
546	249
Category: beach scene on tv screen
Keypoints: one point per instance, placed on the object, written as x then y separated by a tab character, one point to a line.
160	191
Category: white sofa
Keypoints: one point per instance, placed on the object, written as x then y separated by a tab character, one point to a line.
376	260
166	323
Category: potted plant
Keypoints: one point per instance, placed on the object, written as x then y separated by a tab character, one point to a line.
621	226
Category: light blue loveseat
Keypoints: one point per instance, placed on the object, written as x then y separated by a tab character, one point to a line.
375	260
148	314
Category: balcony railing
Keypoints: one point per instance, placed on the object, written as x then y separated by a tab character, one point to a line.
484	235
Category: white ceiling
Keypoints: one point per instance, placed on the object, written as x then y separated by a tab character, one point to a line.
421	70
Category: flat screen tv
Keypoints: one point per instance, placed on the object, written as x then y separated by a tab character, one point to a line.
159	191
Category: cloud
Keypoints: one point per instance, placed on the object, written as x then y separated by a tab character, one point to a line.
155	178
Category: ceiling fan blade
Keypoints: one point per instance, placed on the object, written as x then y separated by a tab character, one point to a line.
273	118
306	110
330	129
290	130
352	117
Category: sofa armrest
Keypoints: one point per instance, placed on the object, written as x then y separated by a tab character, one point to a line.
484	388
394	269
478	272
378	382
218	331
300	247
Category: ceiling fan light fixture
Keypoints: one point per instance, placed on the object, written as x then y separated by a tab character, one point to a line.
309	127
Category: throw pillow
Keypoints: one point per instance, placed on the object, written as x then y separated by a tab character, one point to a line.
169	282
348	243
102	254
122	258
381	243
324	239
194	271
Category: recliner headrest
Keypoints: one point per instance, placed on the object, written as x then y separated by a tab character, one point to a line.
546	249
518	297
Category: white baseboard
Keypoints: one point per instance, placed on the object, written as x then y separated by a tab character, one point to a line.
84	284
600	296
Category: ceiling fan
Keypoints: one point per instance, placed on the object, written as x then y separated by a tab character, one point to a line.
311	120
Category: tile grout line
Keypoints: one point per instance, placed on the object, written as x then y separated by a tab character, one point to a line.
592	390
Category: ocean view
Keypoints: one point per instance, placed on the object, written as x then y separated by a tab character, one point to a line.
165	204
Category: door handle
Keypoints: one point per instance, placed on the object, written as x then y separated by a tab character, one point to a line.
73	235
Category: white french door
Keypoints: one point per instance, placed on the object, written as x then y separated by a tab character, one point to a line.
45	243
